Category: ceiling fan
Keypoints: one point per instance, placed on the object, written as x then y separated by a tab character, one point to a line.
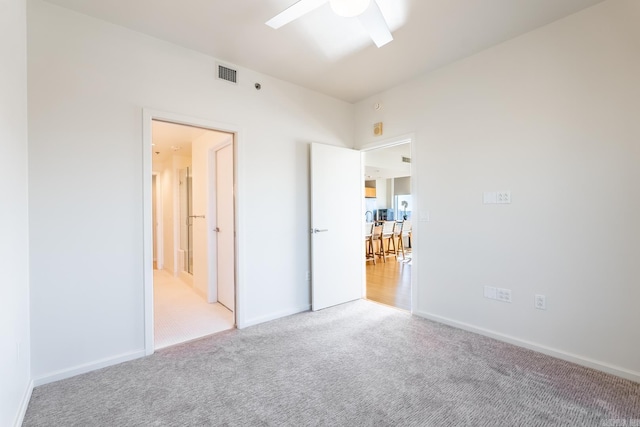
367	11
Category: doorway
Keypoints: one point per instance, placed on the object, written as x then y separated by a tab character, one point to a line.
388	224
193	190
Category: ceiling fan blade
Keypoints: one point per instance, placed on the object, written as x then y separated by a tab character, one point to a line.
373	21
294	12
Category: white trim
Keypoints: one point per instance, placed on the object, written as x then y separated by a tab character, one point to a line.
363	212
87	367
274	316
147	116
188	280
238	191
389	142
24	404
147	231
415	224
409	138
569	357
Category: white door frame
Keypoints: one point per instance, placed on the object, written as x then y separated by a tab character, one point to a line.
390	142
148	115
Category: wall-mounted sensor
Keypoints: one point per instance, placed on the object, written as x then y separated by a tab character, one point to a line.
258	86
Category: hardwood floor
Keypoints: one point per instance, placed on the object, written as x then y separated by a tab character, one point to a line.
390	283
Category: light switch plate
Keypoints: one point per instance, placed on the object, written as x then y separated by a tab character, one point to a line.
490	197
490	292
425	216
496	197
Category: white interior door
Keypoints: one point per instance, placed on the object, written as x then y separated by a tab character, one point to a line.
336	224
225	250
206	191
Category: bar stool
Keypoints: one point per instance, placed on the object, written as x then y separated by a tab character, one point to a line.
397	236
376	236
368	243
389	238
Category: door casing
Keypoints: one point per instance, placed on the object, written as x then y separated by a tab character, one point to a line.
415	224
148	115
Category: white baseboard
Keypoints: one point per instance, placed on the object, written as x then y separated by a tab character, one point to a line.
273	316
569	357
87	367
24	404
186	278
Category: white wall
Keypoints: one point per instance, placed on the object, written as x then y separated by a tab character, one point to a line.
382	194
88	83
401	186
553	117
166	180
14	241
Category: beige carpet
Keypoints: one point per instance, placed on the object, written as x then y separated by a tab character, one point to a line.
181	315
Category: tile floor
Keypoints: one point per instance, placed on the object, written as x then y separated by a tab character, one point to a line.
181	315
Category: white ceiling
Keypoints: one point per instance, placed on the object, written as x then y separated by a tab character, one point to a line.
170	139
324	52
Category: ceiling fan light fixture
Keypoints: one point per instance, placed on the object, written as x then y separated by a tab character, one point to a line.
349	8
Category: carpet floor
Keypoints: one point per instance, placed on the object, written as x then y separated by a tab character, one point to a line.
358	364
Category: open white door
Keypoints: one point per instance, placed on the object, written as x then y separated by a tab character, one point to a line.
225	250
213	219
336	226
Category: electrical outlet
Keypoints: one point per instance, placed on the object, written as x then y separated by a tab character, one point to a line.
503	197
308	276
541	302
504	295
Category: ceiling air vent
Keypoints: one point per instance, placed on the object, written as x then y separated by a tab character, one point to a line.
228	74
406	159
